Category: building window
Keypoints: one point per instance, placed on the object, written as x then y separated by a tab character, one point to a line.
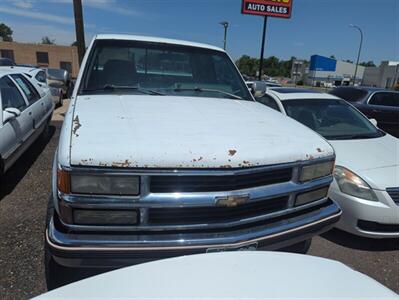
66	65
42	57
5	53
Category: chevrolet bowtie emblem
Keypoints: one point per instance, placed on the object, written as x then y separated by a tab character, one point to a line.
231	201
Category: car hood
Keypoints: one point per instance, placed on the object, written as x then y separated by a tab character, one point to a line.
229	275
375	160
186	132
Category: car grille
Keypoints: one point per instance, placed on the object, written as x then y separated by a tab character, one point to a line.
214	214
214	183
394	193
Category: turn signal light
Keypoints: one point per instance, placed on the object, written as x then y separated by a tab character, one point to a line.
63	181
311	196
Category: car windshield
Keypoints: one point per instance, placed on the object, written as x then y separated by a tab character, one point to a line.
129	67
333	119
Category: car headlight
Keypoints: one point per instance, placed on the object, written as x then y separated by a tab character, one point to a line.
351	184
317	170
98	184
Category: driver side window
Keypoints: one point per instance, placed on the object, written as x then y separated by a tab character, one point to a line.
10	95
385	99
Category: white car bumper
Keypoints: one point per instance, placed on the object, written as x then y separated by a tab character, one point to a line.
373	219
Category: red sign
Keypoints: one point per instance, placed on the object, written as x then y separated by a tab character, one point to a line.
272	8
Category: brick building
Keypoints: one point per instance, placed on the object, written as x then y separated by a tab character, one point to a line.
42	55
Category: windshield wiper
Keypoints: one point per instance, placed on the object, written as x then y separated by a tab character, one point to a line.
200	90
352	136
112	87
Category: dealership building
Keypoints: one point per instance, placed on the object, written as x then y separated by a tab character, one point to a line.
42	55
328	71
325	71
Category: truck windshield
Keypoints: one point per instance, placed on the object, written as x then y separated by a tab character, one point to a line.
333	119
130	67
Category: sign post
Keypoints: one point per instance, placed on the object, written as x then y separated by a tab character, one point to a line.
265	8
262	48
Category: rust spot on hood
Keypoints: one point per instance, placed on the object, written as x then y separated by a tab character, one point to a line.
122	164
232	152
226	167
309	156
199	159
76	125
246	163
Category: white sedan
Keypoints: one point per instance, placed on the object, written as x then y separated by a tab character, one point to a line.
366	184
39	76
26	114
229	275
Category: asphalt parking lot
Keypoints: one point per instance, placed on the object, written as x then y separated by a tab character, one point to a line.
23	200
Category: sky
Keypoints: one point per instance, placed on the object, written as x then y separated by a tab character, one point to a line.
316	26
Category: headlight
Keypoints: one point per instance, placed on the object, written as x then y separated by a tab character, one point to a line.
316	171
98	184
351	184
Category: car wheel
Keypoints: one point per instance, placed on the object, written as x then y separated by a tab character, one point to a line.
301	248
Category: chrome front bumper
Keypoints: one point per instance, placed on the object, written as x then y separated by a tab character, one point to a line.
99	249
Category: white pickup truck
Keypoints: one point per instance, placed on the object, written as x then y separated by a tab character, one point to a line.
164	152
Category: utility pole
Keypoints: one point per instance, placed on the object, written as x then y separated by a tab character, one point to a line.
225	24
262	51
79	28
360	49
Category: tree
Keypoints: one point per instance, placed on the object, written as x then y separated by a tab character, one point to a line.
332	56
370	63
47	40
349	61
273	66
248	65
6	32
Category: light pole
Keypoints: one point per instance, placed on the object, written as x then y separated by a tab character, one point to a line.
360	49
225	24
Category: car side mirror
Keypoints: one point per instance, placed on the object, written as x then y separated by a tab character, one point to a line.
259	89
374	122
10	114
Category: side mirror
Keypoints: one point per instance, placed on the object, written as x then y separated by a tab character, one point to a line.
54	83
57	77
374	122
10	113
259	89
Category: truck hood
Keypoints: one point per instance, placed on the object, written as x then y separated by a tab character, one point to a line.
186	132
375	160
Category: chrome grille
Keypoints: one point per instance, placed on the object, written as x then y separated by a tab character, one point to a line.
394	193
214	183
214	214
